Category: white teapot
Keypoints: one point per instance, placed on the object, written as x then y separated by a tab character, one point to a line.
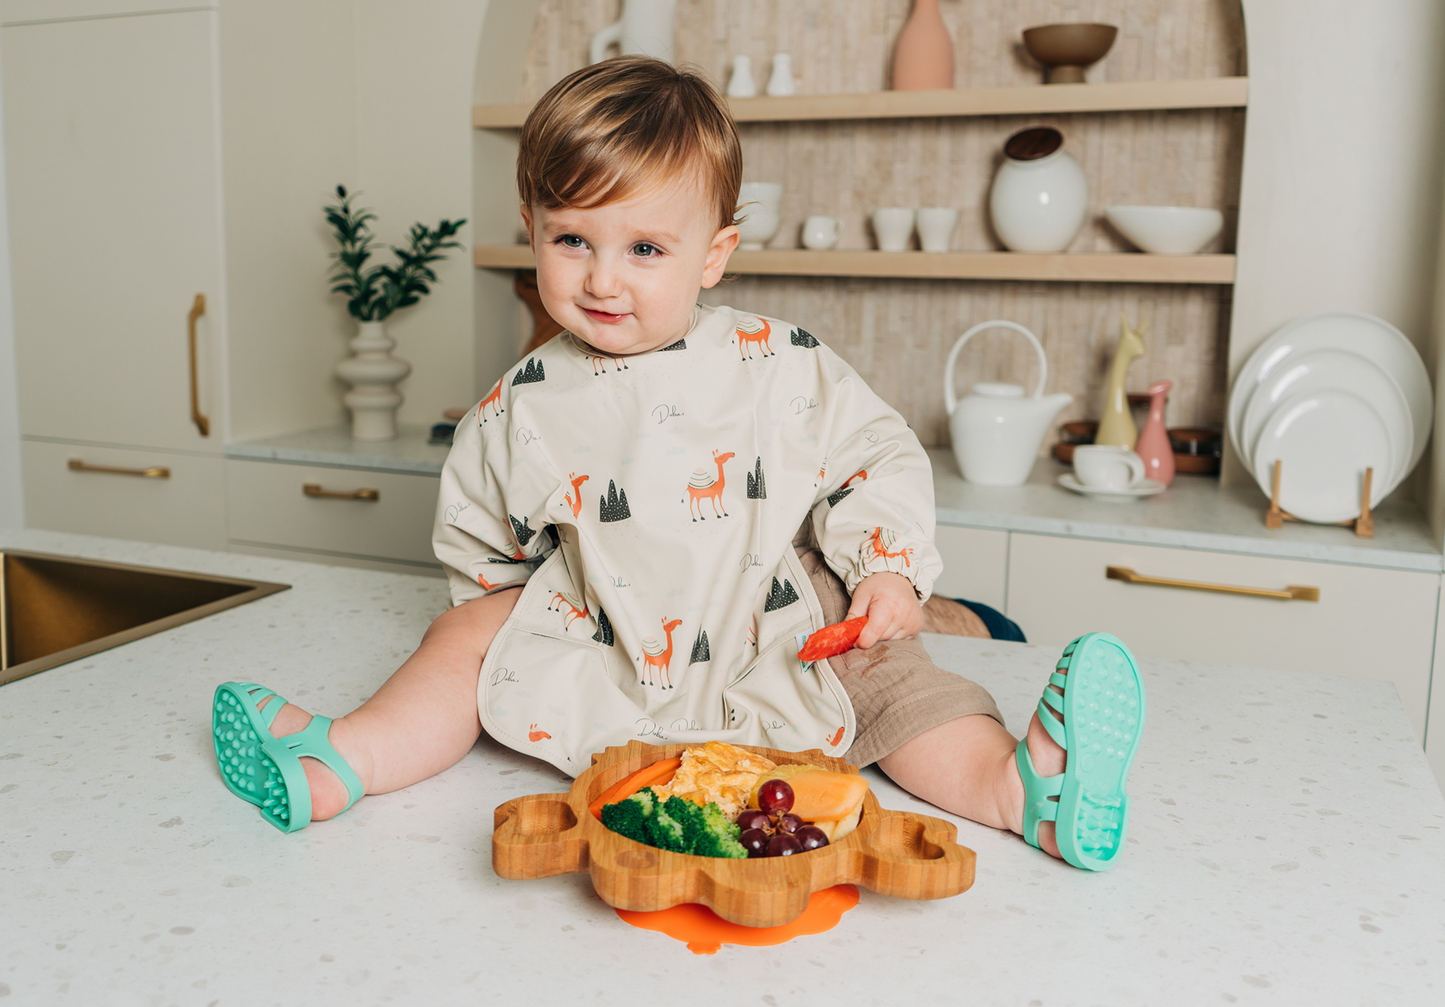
997	430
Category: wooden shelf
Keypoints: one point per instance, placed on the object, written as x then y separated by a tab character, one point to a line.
1106	267
1039	99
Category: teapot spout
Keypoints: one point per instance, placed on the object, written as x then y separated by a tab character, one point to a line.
1042	413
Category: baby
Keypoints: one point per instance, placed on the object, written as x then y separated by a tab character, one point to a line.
643	516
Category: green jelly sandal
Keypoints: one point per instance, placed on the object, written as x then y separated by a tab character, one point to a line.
1103	708
265	770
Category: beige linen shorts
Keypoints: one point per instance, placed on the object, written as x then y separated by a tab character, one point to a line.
896	690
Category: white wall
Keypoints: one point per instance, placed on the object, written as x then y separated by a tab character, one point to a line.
12	513
415	64
1340	201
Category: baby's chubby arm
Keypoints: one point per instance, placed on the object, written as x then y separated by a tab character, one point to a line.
891	605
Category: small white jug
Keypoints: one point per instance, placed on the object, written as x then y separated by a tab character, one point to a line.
997	432
645	29
820	232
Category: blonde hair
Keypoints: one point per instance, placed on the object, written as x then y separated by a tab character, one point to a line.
621	126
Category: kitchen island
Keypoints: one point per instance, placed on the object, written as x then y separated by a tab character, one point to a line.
1287	845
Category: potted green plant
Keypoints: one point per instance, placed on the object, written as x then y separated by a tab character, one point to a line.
374	292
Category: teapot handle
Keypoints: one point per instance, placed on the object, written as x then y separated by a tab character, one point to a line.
951	400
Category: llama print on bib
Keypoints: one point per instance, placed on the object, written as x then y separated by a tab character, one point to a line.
753	332
656	656
704	485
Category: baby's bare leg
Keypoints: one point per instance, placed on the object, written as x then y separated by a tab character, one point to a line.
967	766
422	719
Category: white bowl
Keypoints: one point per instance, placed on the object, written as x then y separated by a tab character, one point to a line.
1166	230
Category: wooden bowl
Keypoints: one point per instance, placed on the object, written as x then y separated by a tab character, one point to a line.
1066	49
896	853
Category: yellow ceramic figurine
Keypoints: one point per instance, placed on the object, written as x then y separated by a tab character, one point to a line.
1116	427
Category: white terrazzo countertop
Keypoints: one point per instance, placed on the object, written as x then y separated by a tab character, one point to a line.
1194	513
410	454
1286	847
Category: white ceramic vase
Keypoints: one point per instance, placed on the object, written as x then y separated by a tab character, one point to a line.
741	83
780	84
645	29
1039	205
372	372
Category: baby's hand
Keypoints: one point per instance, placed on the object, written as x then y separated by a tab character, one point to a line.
891	605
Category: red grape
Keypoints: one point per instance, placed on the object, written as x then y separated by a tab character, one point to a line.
790	823
783	845
753	819
755	841
775	795
811	837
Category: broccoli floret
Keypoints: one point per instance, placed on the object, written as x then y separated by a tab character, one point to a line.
630	817
676	824
667	828
717	836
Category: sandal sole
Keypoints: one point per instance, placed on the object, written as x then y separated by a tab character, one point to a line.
247	770
1104	715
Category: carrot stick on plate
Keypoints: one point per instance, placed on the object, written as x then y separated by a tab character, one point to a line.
648	776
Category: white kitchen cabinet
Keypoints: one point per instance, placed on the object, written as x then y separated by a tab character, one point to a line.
112	146
356	513
138	493
1368	622
975	564
156	152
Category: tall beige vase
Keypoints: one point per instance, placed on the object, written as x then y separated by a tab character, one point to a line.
923	57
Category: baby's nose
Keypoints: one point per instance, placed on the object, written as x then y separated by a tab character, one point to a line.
603	279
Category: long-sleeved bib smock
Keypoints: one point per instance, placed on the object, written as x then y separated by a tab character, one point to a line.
649	504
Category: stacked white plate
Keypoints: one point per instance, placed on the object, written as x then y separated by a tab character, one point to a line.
1329	396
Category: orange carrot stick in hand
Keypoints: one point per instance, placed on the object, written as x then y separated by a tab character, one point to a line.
648	776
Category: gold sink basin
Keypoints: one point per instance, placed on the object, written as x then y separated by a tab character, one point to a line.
54	609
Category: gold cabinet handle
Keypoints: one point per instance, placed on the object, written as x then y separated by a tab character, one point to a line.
315	490
202	423
1292	593
154	472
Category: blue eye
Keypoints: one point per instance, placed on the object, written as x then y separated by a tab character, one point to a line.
571	241
644	250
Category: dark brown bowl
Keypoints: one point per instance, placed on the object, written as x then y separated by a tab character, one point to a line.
1066	49
1200	442
1079	431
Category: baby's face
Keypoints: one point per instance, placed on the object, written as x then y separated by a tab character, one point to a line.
624	277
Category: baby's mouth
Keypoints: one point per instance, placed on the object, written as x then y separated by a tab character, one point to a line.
605	317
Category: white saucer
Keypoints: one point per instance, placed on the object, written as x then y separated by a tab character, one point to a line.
1146	488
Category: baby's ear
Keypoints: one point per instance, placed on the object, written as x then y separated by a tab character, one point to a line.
722	246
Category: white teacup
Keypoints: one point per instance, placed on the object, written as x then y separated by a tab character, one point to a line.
893	226
822	232
1108	468
935	227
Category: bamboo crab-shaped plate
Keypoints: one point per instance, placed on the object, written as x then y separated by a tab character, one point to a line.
896	853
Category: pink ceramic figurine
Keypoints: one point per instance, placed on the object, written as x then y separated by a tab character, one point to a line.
1153	445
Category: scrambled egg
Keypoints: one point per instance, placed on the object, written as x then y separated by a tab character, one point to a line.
717	772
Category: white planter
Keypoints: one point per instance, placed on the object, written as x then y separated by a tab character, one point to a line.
1039	205
372	372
